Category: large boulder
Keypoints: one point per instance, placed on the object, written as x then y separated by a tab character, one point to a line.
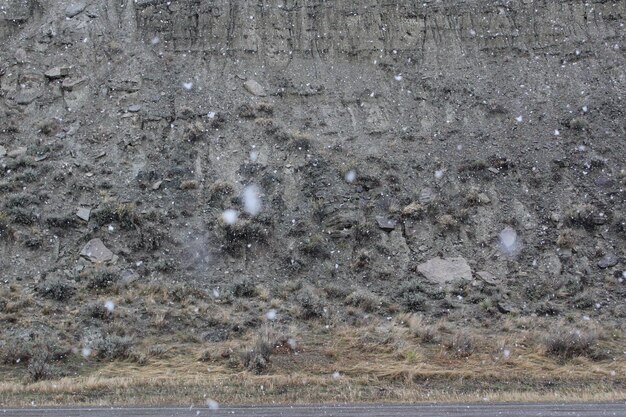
443	271
96	252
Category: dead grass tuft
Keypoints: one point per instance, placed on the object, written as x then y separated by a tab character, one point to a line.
567	343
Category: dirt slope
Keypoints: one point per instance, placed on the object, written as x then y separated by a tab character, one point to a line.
369	138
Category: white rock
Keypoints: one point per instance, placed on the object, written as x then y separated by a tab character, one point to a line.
83	213
74	9
254	88
442	271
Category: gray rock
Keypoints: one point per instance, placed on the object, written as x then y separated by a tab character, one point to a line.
25	97
129	276
3	151
57	72
83	213
74	9
442	271
427	195
70	84
96	252
608	261
254	88
17	152
134	108
483	198
386	223
487	277
506	307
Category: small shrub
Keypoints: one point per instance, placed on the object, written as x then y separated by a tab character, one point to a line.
411	296
122	213
425	332
447	222
96	311
49	127
244	288
486	304
258	359
582	215
23	216
56	289
473	166
158	351
189	185
5	228
101	279
62	222
21	200
568	343
578	123
364	299
461	345
237	236
315	247
112	347
218	121
205	356
29	348
28	176
39	369
414	210
309	303
14	350
126	216
567	239
245	111
194	131
266	108
365	231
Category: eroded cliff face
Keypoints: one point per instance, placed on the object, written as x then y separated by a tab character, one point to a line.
380	134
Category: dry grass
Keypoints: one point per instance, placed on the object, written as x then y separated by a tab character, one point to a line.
404	359
381	375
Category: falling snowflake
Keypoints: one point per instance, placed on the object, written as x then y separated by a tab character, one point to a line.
230	216
252	200
509	242
109	305
271	315
188	86
350	176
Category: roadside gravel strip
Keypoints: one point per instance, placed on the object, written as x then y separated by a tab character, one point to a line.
423	410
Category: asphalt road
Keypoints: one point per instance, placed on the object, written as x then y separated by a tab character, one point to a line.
421	410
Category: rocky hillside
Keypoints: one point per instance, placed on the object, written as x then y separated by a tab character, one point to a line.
461	158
